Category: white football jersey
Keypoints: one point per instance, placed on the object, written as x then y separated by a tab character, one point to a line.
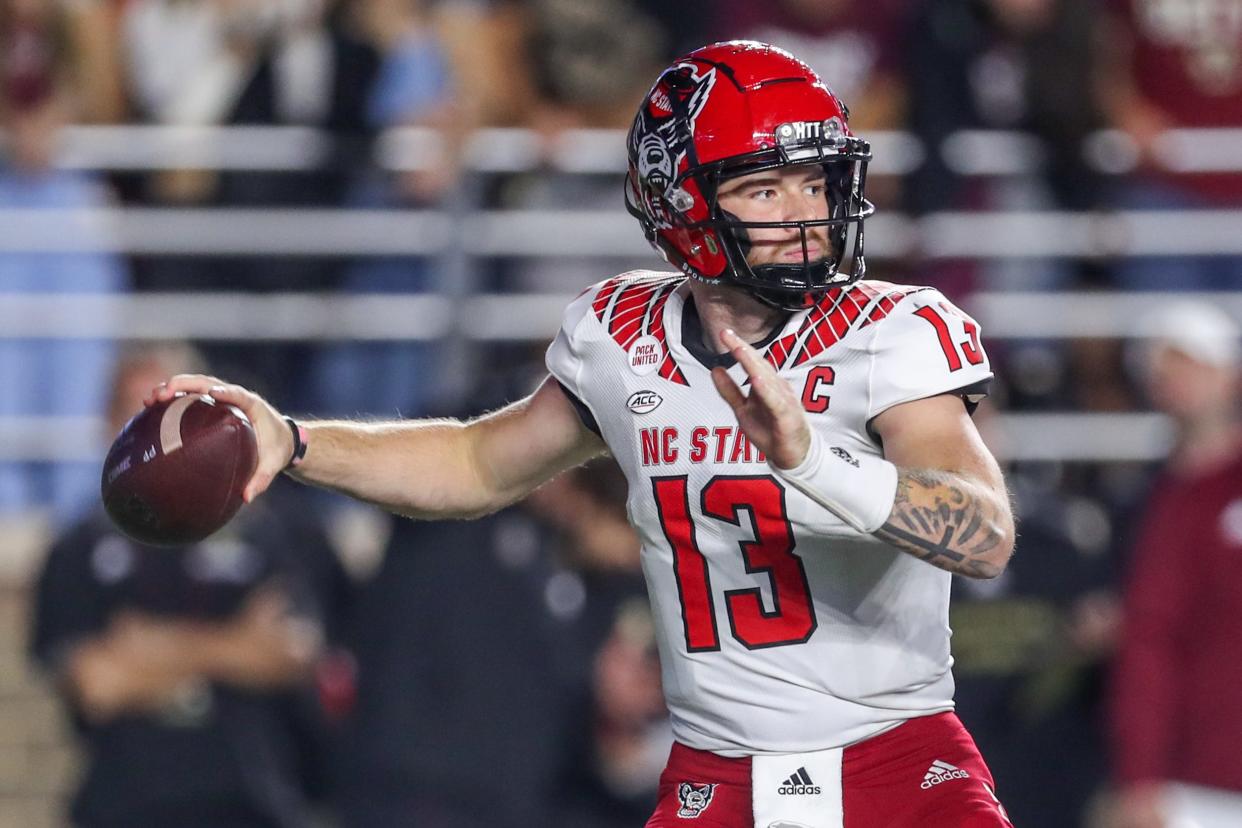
780	628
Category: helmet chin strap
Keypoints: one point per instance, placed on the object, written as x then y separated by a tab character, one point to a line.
768	278
794	299
782	300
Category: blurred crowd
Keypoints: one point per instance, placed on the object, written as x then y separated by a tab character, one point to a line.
501	672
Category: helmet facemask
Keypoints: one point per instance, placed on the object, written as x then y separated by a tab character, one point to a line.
798	284
794	285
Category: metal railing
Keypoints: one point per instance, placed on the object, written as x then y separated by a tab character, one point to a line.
966	152
459	236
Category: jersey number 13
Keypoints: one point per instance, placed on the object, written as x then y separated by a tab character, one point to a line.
792	617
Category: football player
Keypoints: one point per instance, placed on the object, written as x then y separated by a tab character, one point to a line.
802	466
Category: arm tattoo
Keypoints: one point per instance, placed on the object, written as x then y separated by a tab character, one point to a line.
939	517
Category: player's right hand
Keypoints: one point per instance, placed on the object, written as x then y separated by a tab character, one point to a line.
275	440
770	413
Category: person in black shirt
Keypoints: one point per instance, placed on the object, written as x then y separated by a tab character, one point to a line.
185	670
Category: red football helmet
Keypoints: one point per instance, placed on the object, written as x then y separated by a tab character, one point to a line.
731	109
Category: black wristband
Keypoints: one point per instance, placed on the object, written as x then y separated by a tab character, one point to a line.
299	444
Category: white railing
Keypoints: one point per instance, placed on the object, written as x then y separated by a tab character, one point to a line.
279	148
1014	437
967	152
577	232
603	234
550	234
533	317
530	317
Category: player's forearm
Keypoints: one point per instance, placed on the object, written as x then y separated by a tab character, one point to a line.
423	469
106	683
951	521
226	654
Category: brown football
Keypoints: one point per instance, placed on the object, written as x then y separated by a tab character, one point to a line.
176	472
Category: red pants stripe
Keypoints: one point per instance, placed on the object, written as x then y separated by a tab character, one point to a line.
903	778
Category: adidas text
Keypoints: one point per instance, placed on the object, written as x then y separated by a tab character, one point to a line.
941	771
800	784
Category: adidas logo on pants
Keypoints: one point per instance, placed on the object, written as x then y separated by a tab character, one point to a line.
941	771
799	784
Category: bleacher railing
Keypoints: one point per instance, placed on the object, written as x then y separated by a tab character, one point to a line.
461	237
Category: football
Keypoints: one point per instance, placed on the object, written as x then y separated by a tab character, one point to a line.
176	472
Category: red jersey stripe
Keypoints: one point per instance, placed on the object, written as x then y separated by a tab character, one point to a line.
600	304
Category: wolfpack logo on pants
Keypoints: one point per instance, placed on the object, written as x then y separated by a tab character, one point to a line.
694	799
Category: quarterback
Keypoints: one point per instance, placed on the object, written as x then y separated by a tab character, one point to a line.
803	470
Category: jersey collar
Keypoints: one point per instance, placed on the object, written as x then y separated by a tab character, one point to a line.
682	316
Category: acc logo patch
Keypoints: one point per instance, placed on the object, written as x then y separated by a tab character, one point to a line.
694	799
642	402
645	355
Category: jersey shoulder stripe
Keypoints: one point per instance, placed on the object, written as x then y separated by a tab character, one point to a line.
886	296
631	305
838	312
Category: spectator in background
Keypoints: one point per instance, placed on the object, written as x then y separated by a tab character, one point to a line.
1029	654
856	45
1171	64
255	63
414	87
185	669
48	377
99	81
985	64
222	62
581	64
629	734
621	730
557	64
504	676
1176	711
460	719
584	55
79	36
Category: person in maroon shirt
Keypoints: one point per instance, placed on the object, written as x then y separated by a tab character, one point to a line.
857	45
1176	711
1171	65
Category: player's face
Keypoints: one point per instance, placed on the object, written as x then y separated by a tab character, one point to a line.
782	194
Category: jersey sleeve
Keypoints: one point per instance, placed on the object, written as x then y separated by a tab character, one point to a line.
925	347
566	355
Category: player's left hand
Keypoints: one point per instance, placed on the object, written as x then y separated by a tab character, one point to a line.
770	414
